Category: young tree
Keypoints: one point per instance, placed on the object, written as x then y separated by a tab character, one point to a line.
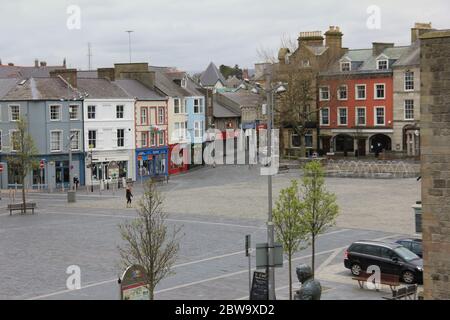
319	207
148	242
288	226
23	158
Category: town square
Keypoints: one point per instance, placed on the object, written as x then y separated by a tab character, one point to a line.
226	159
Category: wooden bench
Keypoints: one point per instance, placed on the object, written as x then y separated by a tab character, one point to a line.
390	280
19	206
408	292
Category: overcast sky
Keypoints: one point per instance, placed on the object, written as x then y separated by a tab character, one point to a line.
191	33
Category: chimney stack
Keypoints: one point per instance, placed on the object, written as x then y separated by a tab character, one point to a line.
135	71
106	73
36	63
333	38
70	75
43	64
311	38
419	29
10	64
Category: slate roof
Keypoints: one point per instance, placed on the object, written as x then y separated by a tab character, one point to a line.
244	98
40	89
411	57
101	89
211	75
6	85
233	82
364	61
27	72
221	110
165	84
137	90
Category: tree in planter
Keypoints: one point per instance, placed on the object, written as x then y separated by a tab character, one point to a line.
148	241
319	207
24	152
288	226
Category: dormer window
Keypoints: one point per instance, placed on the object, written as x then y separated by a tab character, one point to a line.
183	82
346	66
382	64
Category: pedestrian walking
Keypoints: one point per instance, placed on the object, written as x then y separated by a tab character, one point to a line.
128	195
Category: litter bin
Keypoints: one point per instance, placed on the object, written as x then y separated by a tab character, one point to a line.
418	216
71	196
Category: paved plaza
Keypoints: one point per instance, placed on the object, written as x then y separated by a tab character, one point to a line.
217	207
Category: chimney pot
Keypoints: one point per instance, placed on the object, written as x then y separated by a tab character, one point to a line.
10	64
36	63
43	64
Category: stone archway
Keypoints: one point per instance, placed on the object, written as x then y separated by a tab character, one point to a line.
379	143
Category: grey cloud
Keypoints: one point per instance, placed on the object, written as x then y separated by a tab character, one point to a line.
190	33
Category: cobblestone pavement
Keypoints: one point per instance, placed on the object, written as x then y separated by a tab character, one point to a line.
240	192
36	250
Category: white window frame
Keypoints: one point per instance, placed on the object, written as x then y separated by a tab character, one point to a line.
405	81
123	111
339	116
383	60
50	112
89	112
153	138
349	66
375	119
339	92
175	100
199	106
357	116
356	91
11	143
144	142
95	140
11	113
60	140
145	109
163	115
161	134
79	136
321	91
404	109
123	138
78	112
375	91
321	116
197	129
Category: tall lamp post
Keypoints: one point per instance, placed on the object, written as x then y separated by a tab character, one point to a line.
270	92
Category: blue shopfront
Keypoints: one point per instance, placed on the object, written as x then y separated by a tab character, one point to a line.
152	162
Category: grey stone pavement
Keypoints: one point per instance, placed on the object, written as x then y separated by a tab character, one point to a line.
231	202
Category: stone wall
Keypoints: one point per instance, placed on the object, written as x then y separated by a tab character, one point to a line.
435	156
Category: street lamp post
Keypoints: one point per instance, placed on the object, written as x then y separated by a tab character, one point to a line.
270	91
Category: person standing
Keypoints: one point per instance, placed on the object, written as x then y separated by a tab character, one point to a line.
128	195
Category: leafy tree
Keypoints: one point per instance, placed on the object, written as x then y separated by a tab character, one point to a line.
319	207
23	154
228	71
148	242
288	225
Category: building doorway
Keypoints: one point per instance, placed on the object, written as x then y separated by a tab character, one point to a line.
344	143
380	143
361	147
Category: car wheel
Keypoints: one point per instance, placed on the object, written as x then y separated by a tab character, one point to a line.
408	277
356	269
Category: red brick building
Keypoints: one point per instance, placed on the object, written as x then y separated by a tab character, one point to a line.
355	99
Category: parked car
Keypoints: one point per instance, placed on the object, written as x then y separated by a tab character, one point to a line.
391	258
415	245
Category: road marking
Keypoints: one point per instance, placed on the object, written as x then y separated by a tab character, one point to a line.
168	219
183	265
